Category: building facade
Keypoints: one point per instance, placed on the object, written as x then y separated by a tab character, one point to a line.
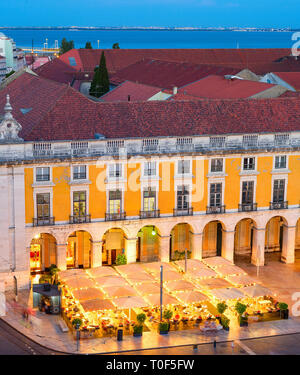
81	203
15	58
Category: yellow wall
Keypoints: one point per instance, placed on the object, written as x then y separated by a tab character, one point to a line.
29	209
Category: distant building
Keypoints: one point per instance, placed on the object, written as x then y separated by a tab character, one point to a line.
2	68
15	58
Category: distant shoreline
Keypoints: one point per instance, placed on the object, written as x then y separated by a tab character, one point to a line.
137	28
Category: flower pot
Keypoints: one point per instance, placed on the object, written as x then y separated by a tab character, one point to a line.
244	324
163	332
284	314
139	334
226	328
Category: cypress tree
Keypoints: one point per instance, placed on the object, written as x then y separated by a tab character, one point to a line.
100	83
88	45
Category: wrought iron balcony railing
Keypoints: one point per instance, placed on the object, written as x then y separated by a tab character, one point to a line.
215	209
279	205
78	219
183	211
149	214
245	207
40	221
115	216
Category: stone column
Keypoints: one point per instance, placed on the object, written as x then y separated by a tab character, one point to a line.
130	249
258	247
96	254
165	249
228	245
288	245
61	256
197	246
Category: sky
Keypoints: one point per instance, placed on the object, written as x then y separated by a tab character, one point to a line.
180	13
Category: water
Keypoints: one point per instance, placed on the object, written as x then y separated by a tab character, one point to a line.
154	39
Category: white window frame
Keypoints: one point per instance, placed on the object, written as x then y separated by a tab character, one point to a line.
255	164
87	196
86	172
190	187
248	178
42	182
144	186
280	177
123	171
219	172
215	181
156	169
183	175
121	188
280	169
42	190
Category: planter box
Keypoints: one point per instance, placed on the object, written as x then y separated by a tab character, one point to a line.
284	314
244	324
163	332
226	328
137	334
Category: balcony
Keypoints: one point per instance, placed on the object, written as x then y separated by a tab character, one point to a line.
149	214
78	219
115	216
246	207
183	211
215	209
279	205
41	221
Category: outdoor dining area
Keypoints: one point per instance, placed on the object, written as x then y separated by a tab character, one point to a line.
107	299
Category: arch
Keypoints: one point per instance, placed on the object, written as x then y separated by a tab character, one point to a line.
243	240
297	242
43	252
181	240
113	244
148	244
79	249
275	232
212	241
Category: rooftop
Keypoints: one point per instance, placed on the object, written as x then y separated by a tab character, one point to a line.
292	78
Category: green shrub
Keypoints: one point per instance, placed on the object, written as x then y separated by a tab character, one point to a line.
240	308
138	328
163	326
167	314
283	306
221	307
45	279
121	259
141	318
225	322
77	321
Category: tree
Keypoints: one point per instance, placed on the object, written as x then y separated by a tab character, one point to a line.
66	46
100	82
88	45
116	46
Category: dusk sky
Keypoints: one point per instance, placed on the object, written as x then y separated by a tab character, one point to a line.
257	13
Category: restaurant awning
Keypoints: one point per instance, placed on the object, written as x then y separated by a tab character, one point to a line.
110	281
227	270
201	273
80	282
212	283
227	293
139	277
256	291
155	266
154	299
130	302
101	271
119	291
97	304
148	288
191	297
69	274
179	285
128	269
191	264
216	261
169	276
241	280
87	294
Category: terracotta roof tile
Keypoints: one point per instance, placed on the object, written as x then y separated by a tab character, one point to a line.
136	91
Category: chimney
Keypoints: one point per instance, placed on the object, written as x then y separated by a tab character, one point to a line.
128	98
175	89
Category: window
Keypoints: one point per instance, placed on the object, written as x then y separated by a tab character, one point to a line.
281	139
42	174
79	203
216	165
215	198
278	191
183	166
149	199
115	201
182	197
115	170
43	206
150	168
249	164
79	172
280	162
247	192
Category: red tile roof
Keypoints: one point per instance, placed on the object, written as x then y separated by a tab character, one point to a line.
218	87
292	78
116	59
136	91
61	113
56	70
167	74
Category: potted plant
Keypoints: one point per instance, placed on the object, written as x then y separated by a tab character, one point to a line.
53	270
121	259
167	314
225	322
163	328
137	330
141	318
221	307
240	308
284	311
77	323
